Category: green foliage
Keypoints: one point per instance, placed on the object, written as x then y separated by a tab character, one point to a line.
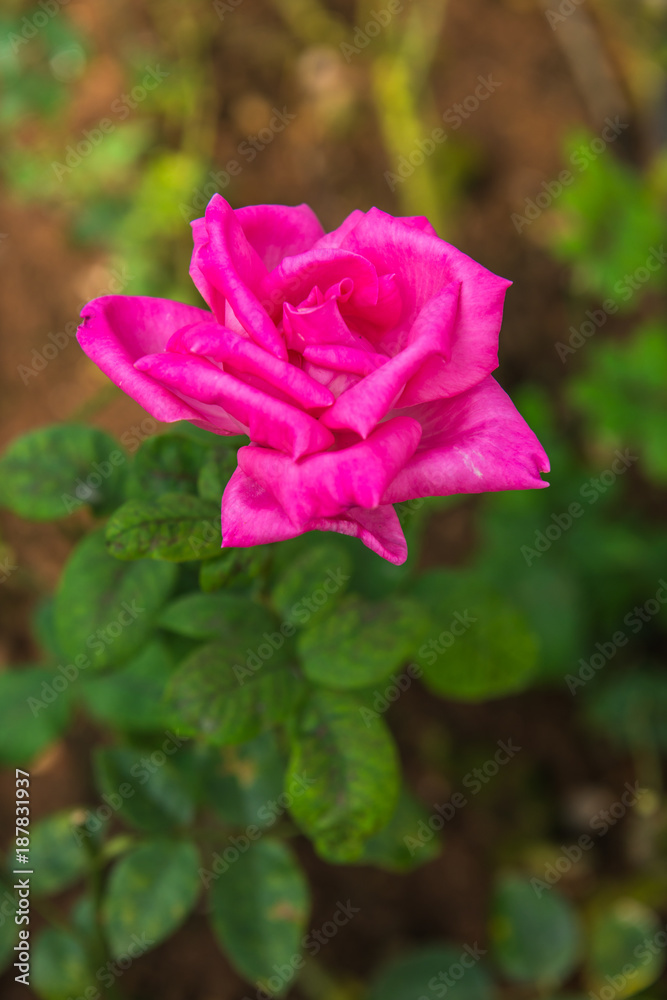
631	709
57	855
150	892
176	526
426	971
352	764
536	934
485	649
130	699
225	702
144	786
260	908
620	940
362	642
169	463
49	473
60	966
105	609
390	848
32	712
623	395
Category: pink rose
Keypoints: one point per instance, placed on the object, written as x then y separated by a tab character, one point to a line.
358	362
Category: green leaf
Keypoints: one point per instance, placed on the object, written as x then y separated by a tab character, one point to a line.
9	931
33	712
167	463
391	847
313	583
481	646
225	702
105	609
353	767
44	628
57	855
132	698
434	971
144	787
619	936
232	618
237	567
217	470
361	642
536	938
260	911
48	473
60	966
244	784
175	527
630	708
149	894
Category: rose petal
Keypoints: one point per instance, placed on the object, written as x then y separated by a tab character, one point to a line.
344	359
295	277
225	263
269	421
277	231
424	265
251	516
325	485
119	329
361	407
240	355
473	443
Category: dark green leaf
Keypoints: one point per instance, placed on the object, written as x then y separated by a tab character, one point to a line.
144	787
60	966
353	765
105	609
237	567
34	709
535	932
132	698
175	527
233	618
149	894
245	784
260	909
226	702
392	848
313	583
218	468
51	472
434	971
361	642
168	463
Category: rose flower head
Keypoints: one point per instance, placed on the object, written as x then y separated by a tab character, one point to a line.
358	362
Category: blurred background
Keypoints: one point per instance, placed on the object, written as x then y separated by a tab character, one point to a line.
533	137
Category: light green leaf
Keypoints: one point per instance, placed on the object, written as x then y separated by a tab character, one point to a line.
58	855
60	967
149	894
619	940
